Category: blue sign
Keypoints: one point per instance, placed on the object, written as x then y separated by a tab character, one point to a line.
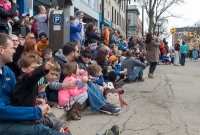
67	20
57	19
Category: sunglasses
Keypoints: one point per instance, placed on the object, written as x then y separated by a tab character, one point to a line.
14	40
87	56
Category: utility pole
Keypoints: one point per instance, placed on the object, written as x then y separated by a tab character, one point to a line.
102	23
126	19
142	21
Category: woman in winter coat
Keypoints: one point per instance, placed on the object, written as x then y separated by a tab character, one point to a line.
152	55
92	37
101	59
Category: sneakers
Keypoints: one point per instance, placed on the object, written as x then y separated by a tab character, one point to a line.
109	109
140	80
51	104
118	108
109	132
115	130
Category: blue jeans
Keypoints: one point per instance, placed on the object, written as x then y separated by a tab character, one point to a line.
136	72
42	95
53	96
183	56
95	97
15	128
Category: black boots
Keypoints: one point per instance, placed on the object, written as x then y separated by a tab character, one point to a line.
74	113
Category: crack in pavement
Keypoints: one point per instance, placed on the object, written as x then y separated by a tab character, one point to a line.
185	125
124	124
170	86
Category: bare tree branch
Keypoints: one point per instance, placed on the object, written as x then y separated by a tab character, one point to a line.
156	9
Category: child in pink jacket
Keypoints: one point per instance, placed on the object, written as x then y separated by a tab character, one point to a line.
72	98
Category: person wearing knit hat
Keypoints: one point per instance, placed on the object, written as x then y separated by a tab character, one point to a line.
112	59
122	74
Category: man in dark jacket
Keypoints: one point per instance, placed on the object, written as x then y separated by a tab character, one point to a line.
69	53
4	14
134	68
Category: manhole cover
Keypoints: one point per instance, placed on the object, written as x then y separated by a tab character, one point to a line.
145	92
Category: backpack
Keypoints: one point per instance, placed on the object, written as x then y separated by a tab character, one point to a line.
114	97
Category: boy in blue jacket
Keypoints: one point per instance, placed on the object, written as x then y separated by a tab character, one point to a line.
114	63
9	115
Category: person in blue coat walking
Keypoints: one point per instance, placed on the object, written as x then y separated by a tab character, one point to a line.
74	30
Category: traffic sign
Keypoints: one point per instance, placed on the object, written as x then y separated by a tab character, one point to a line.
57	19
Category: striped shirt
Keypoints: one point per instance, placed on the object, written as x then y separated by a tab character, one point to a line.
43	81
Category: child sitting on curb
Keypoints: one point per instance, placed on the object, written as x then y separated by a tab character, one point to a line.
26	89
122	74
96	72
47	54
73	98
44	81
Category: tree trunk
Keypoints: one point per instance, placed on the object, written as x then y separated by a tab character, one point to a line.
154	29
151	13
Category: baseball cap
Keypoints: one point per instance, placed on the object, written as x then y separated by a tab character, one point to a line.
87	52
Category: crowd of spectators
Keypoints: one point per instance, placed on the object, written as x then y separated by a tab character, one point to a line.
32	75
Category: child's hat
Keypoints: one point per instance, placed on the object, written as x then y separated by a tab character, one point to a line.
112	58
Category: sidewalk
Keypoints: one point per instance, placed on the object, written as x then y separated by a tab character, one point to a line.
166	105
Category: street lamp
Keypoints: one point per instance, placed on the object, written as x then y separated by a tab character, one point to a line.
158	24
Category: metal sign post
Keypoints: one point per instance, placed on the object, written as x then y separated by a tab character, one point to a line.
59	25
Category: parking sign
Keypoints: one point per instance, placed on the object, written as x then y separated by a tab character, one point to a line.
67	20
57	19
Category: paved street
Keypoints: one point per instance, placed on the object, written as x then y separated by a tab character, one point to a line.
166	105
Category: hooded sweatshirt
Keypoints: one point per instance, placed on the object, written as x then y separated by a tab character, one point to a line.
60	58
